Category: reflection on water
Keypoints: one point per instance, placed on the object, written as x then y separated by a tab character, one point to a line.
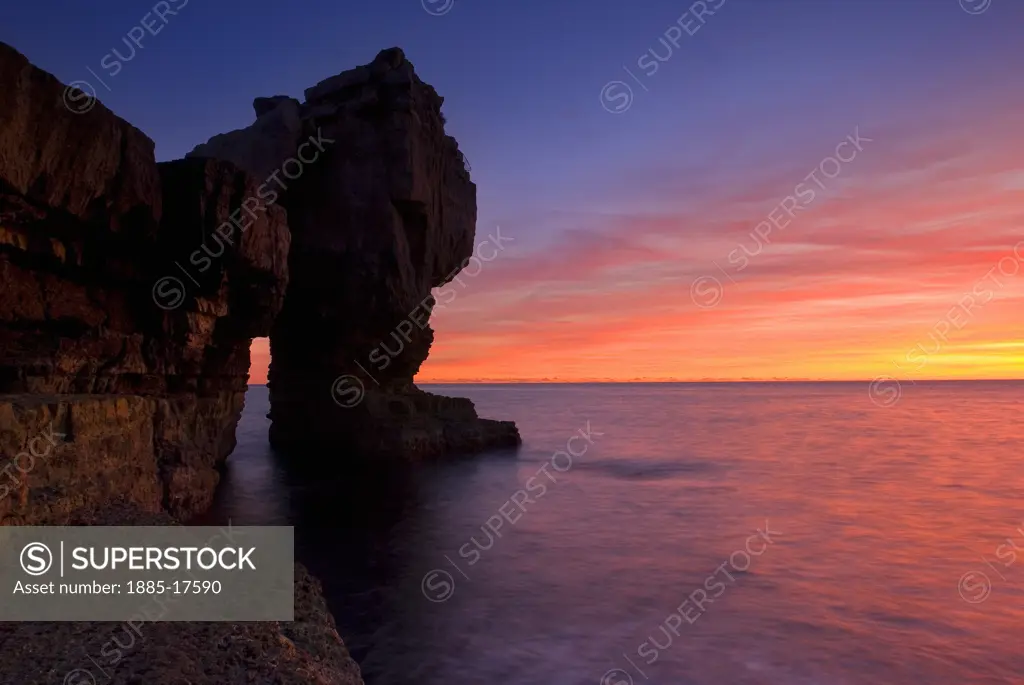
893	555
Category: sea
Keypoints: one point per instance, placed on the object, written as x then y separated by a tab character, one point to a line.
674	534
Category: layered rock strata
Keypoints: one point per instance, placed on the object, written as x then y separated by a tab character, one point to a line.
122	378
111	330
385	215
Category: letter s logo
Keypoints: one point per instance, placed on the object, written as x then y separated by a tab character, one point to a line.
36	559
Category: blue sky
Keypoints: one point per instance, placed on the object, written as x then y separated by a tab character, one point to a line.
522	79
753	98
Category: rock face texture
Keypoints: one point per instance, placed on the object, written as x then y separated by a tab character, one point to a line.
130	293
92	342
384	214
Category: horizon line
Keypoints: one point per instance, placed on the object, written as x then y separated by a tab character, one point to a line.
885	379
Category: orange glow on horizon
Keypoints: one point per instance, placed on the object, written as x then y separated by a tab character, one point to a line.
912	266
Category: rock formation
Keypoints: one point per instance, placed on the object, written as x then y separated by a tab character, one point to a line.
387	213
103	336
131	292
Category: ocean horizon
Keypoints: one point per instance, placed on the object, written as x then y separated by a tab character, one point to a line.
909	381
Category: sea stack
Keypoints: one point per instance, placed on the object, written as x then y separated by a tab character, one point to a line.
385	213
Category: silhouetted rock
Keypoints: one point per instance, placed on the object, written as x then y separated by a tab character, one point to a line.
264	147
386	214
264	105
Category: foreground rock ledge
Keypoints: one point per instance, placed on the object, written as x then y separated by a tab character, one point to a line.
307	651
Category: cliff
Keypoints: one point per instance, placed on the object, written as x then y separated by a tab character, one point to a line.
123	368
132	291
384	216
88	224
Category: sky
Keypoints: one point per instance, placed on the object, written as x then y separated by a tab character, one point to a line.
727	189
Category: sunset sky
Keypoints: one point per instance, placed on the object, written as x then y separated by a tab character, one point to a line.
630	227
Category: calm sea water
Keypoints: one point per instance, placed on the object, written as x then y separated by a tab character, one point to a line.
890	551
